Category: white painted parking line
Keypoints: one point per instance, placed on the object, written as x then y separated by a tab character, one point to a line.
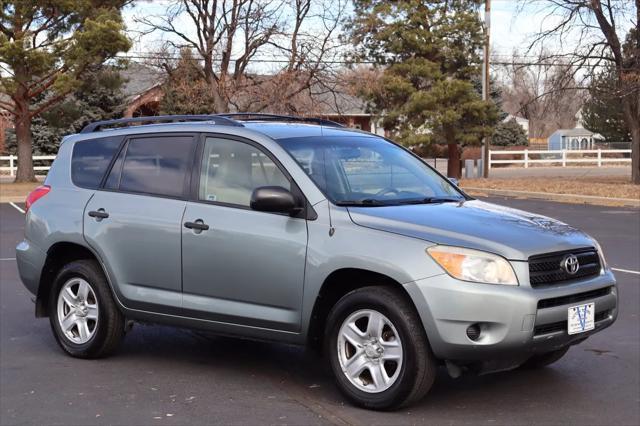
626	271
7	259
15	206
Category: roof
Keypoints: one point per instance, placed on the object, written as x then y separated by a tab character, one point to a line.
139	78
578	131
274	126
518	119
279	130
339	99
273	130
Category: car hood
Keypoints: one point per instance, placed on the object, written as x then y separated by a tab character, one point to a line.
514	234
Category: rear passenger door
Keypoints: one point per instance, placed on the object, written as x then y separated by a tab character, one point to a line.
247	267
134	220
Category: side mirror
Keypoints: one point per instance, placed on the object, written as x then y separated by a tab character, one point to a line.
274	199
454	181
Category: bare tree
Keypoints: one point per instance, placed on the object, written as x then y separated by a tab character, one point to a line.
546	93
594	26
293	41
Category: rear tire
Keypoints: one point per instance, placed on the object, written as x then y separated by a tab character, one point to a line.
378	349
543	360
82	312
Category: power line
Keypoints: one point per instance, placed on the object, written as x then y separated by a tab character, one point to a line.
345	62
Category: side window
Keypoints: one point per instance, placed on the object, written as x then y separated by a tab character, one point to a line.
90	160
231	170
155	165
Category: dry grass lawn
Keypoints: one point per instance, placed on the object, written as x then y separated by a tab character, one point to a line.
610	187
614	187
16	191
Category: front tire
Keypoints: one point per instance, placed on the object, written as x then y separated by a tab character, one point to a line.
82	312
378	349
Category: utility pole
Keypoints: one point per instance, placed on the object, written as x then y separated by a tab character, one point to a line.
485	83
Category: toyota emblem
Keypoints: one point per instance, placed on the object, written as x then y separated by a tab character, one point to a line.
570	264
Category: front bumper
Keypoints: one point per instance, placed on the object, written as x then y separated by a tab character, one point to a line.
515	321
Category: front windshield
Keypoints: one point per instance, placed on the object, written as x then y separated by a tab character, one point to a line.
367	170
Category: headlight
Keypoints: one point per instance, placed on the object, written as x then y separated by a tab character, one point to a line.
473	265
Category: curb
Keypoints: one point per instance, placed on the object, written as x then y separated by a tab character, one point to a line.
587	199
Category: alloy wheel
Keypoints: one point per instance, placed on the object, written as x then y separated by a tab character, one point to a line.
77	311
370	351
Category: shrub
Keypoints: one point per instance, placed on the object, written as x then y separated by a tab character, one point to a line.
509	133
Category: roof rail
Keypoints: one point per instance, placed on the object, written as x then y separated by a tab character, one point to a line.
216	119
246	116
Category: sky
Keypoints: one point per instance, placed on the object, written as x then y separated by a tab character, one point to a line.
511	27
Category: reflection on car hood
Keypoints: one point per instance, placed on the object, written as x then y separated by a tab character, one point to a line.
514	234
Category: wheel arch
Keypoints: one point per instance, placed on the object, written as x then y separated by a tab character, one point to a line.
58	255
335	286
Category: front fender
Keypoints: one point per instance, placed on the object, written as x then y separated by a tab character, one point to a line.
350	246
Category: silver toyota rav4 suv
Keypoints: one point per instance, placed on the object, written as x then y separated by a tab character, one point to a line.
305	232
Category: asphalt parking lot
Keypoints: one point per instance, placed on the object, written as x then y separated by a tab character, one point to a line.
163	375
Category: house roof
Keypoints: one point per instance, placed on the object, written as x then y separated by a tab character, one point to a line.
139	78
518	119
338	101
578	131
335	100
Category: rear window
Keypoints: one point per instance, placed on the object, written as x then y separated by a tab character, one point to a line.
157	165
91	159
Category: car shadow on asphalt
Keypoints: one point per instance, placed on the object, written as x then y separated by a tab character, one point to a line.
305	374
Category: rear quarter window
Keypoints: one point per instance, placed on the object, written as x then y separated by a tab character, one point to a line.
156	165
90	160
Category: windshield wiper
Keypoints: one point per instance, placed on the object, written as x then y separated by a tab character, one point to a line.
432	200
360	203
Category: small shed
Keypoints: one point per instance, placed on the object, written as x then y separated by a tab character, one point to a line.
572	139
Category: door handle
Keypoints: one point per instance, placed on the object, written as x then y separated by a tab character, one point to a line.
198	225
99	214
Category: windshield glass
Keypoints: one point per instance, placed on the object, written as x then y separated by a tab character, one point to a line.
367	170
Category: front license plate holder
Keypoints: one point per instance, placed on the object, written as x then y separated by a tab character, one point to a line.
581	318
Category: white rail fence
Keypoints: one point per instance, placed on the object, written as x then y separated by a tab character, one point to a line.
12	161
8	163
561	157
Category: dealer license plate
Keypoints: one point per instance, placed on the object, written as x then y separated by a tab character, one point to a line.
581	318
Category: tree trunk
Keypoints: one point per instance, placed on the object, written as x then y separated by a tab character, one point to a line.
25	171
219	100
217	92
453	164
216	86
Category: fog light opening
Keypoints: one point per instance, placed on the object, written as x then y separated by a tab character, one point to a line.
473	332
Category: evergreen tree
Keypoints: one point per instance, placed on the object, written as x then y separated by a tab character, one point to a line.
99	97
186	91
604	112
509	133
429	54
47	48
